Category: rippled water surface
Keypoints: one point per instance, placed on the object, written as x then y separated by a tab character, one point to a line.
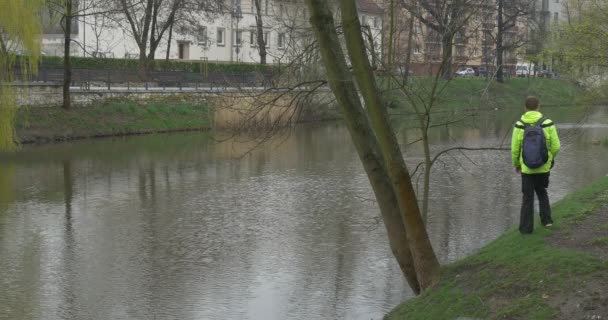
184	227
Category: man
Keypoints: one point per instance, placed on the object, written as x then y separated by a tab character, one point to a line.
536	167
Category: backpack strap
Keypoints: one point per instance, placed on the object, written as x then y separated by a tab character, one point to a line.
549	124
522	125
539	123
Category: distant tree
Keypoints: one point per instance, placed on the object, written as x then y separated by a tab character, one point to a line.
20	30
580	44
508	15
67	13
259	26
445	18
148	20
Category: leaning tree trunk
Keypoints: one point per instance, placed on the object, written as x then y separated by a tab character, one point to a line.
67	63
362	135
259	23
425	261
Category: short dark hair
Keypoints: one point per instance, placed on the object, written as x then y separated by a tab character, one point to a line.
532	103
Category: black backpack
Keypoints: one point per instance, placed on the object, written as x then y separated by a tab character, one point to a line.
534	147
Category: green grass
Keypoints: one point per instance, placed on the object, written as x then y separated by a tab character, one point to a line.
466	93
602	240
112	118
511	277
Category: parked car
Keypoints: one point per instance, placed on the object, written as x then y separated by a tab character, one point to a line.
482	72
545	74
465	72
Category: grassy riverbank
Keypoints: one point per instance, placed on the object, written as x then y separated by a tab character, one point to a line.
558	273
39	125
466	93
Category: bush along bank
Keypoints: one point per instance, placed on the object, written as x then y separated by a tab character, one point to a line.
156	65
43	125
557	273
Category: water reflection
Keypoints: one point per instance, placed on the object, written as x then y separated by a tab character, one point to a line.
180	227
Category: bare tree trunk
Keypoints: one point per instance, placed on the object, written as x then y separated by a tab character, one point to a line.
426	189
391	43
169	40
259	23
410	38
425	261
362	135
499	44
445	69
372	46
67	64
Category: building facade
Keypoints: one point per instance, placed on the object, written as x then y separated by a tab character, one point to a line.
226	36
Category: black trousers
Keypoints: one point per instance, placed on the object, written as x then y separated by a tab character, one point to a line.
530	184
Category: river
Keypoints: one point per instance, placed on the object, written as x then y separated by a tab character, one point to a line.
182	226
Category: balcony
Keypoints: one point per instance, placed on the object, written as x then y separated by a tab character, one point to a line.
509	61
460	59
488	25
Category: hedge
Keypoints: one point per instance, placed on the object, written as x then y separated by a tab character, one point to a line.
157	65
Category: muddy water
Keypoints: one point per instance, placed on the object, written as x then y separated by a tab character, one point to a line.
184	227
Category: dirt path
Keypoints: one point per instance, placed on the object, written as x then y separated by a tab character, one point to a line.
586	233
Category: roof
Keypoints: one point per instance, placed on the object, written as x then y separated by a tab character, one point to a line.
369	6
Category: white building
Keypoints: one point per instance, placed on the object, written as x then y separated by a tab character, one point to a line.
229	36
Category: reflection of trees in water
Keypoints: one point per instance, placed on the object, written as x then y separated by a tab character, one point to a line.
147	184
69	246
7	186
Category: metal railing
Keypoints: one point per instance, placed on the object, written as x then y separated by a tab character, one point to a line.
95	79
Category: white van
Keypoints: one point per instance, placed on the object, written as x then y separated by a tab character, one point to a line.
524	69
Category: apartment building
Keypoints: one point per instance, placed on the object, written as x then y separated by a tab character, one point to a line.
227	36
473	46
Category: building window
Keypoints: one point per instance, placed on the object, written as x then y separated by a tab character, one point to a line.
281	10
363	20
253	37
237	38
201	36
376	22
221	35
265	6
459	37
460	52
281	41
486	36
183	50
416	49
555	17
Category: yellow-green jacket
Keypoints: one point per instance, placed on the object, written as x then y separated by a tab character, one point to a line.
553	144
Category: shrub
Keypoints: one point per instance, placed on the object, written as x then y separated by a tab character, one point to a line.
157	65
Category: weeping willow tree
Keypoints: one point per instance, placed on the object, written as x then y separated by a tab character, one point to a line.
20	29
